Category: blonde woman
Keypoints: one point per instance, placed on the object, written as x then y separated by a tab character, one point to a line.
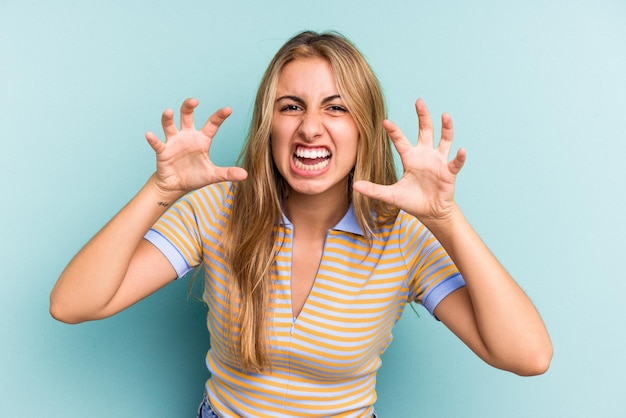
311	249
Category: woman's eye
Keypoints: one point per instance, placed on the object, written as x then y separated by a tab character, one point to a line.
290	108
337	108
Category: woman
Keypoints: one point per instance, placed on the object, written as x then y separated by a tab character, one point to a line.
312	249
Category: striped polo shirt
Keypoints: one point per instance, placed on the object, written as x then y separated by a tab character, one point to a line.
324	361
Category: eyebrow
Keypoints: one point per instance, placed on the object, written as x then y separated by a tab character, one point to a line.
301	101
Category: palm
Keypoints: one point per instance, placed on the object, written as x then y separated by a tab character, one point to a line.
426	188
183	160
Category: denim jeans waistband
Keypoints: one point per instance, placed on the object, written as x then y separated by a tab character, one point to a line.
205	410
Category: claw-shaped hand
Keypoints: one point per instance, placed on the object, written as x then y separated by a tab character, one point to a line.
183	161
426	188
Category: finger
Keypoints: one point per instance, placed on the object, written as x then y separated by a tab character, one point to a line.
154	142
167	122
186	113
398	138
447	134
457	163
426	135
375	191
215	121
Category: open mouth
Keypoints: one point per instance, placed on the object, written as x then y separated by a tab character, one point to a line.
311	159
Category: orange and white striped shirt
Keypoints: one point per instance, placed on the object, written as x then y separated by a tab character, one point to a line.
324	361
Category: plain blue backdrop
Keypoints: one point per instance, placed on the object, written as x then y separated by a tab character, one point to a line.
537	92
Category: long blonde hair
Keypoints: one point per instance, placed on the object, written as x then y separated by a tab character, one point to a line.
257	202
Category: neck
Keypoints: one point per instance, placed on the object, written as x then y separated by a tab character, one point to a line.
316	213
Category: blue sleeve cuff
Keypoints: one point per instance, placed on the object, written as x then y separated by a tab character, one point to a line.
439	292
170	252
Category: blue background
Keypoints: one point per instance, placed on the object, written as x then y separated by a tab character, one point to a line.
537	91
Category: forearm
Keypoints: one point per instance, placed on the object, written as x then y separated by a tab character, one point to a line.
97	271
509	326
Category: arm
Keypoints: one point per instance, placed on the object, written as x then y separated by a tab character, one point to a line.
492	315
117	267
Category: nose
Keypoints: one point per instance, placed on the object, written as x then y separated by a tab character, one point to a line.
311	126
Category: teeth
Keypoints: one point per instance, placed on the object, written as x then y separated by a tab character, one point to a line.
312	153
310	167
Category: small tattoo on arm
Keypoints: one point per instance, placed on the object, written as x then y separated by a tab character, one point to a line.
163	204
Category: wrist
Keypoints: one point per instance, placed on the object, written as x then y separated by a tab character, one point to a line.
445	223
162	197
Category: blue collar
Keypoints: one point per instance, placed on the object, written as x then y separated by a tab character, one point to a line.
347	224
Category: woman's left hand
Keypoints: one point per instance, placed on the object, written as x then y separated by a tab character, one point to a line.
426	188
491	314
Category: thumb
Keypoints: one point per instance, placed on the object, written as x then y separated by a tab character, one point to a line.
230	173
375	191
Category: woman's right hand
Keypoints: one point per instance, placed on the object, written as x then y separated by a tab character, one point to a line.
183	162
117	267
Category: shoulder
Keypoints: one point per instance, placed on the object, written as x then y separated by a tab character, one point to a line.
409	236
204	206
401	225
214	195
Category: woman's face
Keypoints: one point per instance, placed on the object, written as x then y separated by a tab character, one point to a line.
314	137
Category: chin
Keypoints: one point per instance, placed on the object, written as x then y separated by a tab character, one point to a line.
311	187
